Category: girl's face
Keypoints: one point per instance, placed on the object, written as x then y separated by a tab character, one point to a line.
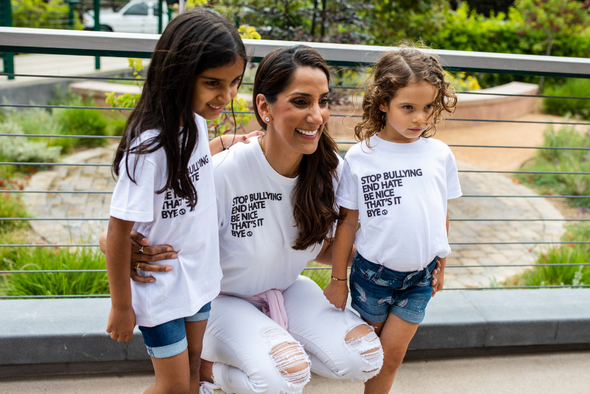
215	88
301	111
409	113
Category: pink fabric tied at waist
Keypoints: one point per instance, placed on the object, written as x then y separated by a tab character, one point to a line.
273	306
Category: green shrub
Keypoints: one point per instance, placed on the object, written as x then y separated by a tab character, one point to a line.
22	149
561	161
11	206
568	107
76	121
45	258
53	14
566	254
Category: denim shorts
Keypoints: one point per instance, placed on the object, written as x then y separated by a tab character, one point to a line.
377	291
169	339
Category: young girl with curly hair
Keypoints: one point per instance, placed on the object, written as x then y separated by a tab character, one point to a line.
398	181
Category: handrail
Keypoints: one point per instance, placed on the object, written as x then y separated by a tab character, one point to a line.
74	42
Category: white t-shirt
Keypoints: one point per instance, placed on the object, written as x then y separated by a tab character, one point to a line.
401	193
256	225
165	219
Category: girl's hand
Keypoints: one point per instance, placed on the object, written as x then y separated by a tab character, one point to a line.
140	261
337	293
121	323
438	278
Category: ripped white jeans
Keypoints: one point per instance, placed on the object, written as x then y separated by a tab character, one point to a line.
253	354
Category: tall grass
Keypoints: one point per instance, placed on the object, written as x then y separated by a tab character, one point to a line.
566	254
47	258
321	277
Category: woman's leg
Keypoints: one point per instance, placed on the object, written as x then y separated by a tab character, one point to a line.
250	352
395	335
340	344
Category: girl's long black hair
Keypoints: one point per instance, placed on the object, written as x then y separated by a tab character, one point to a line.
193	42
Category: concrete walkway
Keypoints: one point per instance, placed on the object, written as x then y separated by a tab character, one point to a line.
523	374
95	206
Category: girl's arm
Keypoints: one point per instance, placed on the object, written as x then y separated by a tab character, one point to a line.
121	318
439	277
223	142
337	290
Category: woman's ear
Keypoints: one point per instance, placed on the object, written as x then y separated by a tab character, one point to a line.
263	108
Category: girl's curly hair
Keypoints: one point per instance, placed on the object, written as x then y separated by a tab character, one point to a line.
395	70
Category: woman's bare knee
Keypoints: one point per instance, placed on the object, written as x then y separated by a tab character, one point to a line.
292	362
363	340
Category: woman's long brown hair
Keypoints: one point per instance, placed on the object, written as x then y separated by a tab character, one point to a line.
314	202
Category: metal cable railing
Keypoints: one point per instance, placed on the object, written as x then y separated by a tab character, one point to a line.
346	56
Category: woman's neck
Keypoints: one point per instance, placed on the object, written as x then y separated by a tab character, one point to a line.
282	159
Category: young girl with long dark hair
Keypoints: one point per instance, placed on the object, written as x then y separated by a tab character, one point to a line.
165	189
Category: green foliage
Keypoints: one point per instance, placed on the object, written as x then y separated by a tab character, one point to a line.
326	21
551	17
53	14
566	254
76	121
563	161
11	206
393	21
45	258
568	107
22	149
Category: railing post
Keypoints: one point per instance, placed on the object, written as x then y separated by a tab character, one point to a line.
6	20
97	28
160	16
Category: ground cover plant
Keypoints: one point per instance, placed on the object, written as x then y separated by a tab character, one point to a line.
557	160
568	107
565	254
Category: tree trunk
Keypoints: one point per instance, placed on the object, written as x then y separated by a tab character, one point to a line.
324	7
313	18
547	53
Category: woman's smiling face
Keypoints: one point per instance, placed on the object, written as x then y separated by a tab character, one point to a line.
299	115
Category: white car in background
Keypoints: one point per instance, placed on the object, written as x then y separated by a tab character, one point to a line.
135	16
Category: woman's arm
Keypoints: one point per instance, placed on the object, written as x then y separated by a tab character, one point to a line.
140	258
337	290
121	318
223	142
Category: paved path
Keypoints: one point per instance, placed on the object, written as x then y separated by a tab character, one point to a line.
522	374
97	206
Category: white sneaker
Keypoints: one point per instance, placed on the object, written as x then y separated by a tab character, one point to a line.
210	388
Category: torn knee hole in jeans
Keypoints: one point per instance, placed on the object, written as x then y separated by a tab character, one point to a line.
364	341
289	357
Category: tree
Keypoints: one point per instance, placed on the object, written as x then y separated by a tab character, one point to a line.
565	17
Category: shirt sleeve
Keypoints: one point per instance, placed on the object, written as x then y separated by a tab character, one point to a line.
134	201
453	185
346	195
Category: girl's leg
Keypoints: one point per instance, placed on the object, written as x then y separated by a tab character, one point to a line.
195	330
250	352
395	335
172	375
340	344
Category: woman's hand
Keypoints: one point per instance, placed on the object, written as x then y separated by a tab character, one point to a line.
142	254
438	277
